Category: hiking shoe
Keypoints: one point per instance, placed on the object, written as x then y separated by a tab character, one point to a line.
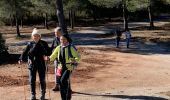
33	97
56	88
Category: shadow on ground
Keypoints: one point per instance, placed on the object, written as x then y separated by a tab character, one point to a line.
6	58
138	45
103	36
140	97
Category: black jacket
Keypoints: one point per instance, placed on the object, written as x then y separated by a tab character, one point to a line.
55	43
36	51
118	33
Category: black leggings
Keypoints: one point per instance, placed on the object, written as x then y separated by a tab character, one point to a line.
32	77
65	89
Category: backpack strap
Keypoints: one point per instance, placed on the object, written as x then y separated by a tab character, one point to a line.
69	51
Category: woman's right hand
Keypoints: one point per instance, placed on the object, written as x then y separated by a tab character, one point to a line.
46	58
20	61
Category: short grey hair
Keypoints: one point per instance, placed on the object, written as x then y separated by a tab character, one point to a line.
57	29
35	31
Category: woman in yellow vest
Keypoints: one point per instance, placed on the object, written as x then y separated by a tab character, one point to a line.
67	57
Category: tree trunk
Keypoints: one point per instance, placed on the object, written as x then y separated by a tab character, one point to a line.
21	22
17	26
11	21
69	18
61	18
16	21
125	14
150	16
94	14
72	17
45	21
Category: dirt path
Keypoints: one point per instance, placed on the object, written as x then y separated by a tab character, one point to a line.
130	76
104	73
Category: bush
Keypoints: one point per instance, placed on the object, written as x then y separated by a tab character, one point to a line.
3	48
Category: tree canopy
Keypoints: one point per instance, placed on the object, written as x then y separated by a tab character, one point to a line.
106	3
17	10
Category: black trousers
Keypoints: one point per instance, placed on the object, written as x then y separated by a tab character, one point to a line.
117	41
41	69
65	89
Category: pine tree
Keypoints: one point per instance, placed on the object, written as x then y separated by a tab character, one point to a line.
73	6
13	9
114	3
43	8
61	16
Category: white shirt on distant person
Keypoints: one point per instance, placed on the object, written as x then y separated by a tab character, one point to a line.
127	34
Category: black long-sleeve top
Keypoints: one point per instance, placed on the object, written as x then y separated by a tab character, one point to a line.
55	43
36	51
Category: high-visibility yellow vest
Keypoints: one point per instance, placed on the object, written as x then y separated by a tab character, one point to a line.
56	54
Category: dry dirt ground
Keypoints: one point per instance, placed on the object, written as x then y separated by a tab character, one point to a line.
104	72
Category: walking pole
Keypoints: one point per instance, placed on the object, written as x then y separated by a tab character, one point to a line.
23	82
47	77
